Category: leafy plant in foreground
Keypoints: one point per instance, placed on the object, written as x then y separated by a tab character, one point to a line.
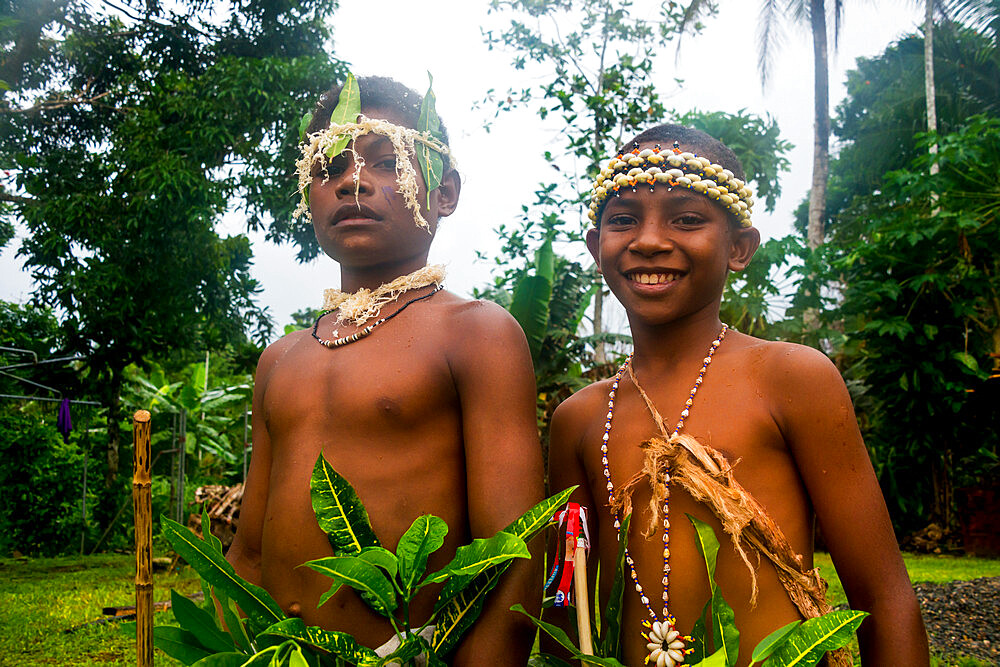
387	581
800	643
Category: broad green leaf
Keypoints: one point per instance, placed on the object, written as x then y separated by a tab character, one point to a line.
456	617
410	648
717	659
360	575
179	644
770	644
304	125
296	659
725	635
424	537
431	162
347	110
472	559
560	636
530	302
611	644
699	635
235	624
263	658
340	644
461	611
340	512
200	623
811	640
255	602
382	558
538	517
216	544
966	360
223	660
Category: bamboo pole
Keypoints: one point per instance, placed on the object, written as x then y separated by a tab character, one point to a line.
582	601
142	502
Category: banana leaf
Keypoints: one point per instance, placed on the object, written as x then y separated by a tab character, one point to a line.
340	512
530	303
255	602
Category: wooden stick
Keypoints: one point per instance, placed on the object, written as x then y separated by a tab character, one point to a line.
582	601
141	500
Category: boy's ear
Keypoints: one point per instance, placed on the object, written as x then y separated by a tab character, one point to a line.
593	239
746	240
448	192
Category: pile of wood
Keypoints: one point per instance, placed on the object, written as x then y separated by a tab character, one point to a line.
223	506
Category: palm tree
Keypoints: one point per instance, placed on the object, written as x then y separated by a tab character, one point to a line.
813	11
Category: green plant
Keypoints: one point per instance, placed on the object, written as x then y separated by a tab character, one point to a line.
801	643
387	581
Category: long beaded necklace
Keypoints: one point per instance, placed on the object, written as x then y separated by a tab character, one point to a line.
665	644
362	333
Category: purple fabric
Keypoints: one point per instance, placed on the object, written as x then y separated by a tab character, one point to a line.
63	422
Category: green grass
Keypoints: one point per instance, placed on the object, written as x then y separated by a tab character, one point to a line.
42	598
922	568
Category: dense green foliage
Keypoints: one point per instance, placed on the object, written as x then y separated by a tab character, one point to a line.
127	133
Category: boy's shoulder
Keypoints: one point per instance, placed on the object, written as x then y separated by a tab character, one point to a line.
478	321
579	413
780	363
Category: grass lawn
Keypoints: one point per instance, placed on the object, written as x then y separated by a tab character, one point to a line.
42	598
922	568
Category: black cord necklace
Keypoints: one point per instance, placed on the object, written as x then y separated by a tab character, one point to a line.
358	335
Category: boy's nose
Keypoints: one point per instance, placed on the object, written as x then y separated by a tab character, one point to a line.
352	179
651	239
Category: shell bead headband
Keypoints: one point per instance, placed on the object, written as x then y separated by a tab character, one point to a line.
676	169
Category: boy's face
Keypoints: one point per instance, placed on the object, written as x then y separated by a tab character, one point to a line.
365	222
666	253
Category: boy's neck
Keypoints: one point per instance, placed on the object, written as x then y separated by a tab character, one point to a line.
661	348
353	278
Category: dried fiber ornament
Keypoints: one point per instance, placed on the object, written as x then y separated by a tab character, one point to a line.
359	307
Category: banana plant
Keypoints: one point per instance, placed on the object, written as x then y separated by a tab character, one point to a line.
799	644
387	581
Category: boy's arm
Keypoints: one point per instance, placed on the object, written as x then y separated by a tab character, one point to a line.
496	387
565	470
817	419
244	553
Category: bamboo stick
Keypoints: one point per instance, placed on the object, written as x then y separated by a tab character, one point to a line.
582	601
141	500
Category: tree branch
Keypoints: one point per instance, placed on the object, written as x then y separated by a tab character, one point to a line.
15	199
58	103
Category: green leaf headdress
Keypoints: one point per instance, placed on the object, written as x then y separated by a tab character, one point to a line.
347	123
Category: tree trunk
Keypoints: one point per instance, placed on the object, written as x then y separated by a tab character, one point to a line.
821	140
929	77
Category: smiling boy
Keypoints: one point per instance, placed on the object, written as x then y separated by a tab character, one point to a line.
756	438
422	400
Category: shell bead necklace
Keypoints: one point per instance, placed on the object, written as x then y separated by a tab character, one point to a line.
362	333
665	644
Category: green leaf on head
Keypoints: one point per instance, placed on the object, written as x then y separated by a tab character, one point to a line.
347	111
429	124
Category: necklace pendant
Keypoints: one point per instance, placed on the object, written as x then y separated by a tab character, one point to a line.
666	646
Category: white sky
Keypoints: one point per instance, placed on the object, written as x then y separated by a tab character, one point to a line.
502	168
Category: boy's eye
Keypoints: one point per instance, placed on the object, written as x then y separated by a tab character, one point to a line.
334	167
387	163
689	220
619	220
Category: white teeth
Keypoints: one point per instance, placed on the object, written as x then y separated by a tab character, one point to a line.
654	278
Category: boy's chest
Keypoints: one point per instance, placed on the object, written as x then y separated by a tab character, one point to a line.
393	382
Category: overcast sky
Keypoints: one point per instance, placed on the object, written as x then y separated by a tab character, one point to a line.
501	168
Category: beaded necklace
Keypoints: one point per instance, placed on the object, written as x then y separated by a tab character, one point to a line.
358	335
665	644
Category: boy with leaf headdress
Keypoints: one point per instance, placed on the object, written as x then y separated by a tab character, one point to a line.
422	400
